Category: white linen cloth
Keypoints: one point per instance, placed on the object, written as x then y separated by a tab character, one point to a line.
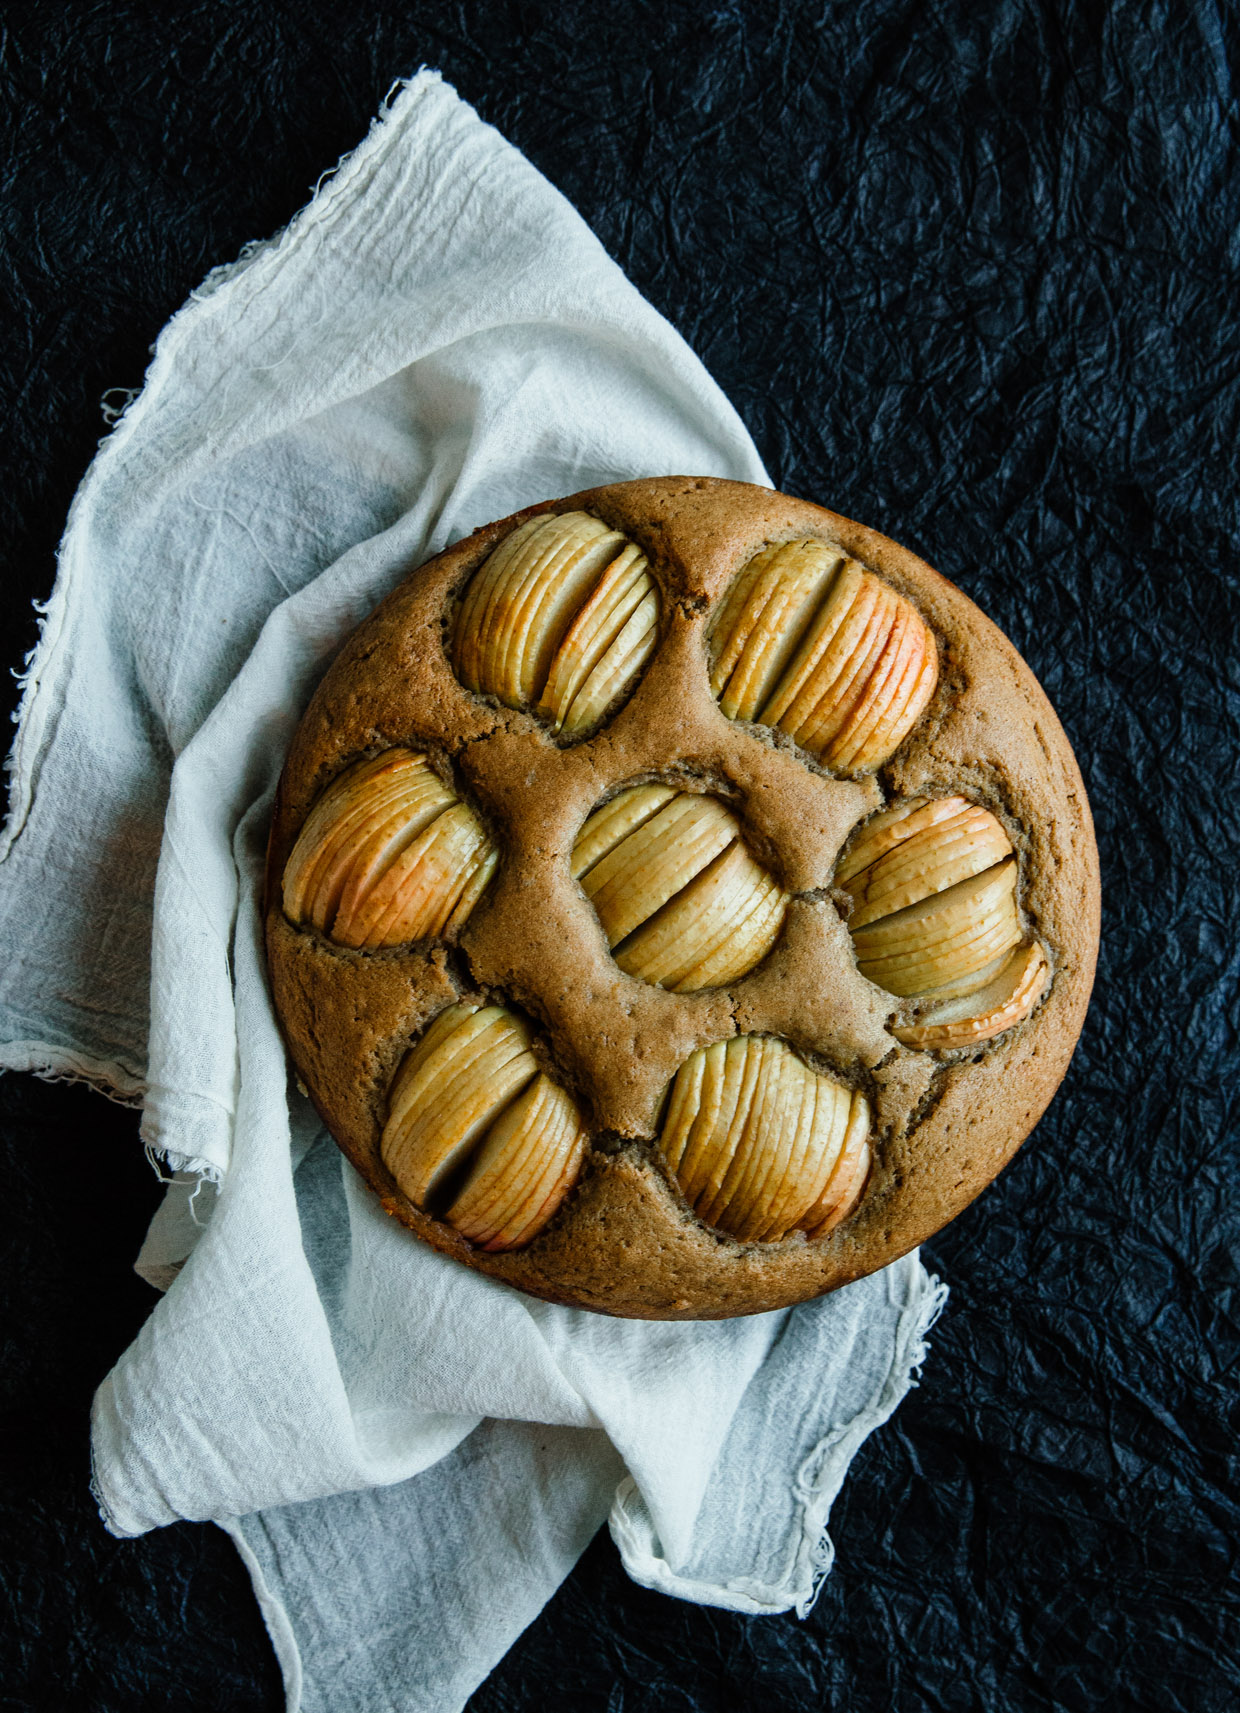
410	1456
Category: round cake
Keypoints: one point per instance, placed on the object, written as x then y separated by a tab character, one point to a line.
681	900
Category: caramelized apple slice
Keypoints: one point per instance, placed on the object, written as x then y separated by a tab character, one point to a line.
753	1136
605	647
830	714
648	867
762	621
796	1145
387	855
1005	1000
935	917
944	938
937	851
847	1180
828	644
526	1166
421	889
607	826
719	926
812	642
451	1087
522	600
681	901
562	616
395	790
883	832
615	673
893	698
470	1109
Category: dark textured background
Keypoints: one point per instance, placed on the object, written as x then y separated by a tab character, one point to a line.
969	272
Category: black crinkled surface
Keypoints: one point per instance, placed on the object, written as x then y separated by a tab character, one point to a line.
969	273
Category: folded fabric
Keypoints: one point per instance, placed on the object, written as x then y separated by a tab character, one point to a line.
435	341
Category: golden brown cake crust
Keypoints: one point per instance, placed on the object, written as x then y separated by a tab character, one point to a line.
625	1242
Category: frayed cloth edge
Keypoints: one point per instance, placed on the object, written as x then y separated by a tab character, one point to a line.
160	1155
818	1482
119	1082
822	1474
39	675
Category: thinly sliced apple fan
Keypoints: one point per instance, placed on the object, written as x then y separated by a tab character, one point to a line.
935	919
477	1133
387	855
560	620
561	617
681	901
810	641
761	1145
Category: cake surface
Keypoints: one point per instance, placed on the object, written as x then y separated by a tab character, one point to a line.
521	775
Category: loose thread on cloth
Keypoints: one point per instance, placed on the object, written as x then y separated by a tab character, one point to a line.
822	1475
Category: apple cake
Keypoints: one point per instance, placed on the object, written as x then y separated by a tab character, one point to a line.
681	900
